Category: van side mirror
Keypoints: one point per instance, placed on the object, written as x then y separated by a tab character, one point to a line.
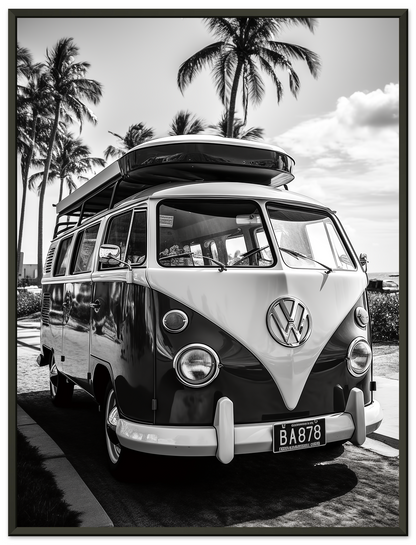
364	261
109	254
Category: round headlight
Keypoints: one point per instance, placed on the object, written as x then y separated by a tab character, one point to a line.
196	365
175	321
359	357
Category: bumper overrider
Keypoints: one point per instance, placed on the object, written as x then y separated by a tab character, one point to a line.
224	439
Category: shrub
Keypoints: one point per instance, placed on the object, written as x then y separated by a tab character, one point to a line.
28	303
384	315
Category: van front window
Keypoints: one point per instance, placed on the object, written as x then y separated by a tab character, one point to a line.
206	233
308	239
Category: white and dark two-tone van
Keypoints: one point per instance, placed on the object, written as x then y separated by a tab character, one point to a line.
207	309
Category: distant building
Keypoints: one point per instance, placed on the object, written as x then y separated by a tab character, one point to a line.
20	271
27	272
30	271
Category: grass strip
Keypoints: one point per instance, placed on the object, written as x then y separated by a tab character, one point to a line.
39	502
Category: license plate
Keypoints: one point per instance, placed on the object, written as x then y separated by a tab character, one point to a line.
299	435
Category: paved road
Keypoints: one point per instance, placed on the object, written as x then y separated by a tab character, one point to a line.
28	335
255	490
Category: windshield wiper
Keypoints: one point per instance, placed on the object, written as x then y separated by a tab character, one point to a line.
298	254
221	265
191	255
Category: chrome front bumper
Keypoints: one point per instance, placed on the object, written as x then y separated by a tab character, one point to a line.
224	439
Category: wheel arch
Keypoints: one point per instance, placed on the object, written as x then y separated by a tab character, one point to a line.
47	354
102	376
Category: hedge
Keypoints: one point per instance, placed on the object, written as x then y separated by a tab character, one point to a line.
384	316
28	303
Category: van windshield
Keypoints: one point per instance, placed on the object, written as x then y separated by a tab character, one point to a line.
308	239
209	233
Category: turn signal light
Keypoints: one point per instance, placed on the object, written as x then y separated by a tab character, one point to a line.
175	321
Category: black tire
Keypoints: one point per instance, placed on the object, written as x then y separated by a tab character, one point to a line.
60	388
119	458
335	445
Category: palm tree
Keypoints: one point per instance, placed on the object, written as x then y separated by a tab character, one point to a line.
244	43
32	111
186	123
136	134
24	61
68	87
70	158
253	133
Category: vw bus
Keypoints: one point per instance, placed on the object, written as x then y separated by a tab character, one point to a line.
207	309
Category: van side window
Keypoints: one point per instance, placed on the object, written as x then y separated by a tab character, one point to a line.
117	234
86	245
63	257
136	251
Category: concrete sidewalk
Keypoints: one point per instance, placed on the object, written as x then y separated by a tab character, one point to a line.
385	440
76	493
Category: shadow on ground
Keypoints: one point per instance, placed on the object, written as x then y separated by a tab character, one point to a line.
201	492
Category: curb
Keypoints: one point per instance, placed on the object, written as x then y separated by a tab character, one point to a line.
76	493
28	325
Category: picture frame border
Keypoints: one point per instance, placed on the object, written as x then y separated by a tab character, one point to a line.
402	15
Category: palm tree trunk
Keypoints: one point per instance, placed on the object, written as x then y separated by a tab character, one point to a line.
61	190
233	97
43	190
21	222
25	175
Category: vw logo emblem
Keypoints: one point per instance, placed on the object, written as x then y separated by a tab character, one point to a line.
289	321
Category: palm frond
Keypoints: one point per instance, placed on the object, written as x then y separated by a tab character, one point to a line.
24	61
309	22
136	134
253	133
255	84
192	66
223	27
220	129
186	123
222	73
265	65
111	151
300	53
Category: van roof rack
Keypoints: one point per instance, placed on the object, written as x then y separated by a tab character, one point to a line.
188	159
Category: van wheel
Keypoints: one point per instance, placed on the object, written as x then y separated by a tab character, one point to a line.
335	445
119	458
60	388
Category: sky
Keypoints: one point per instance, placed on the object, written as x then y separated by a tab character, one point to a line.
342	130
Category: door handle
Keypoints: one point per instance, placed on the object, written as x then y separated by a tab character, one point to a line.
95	305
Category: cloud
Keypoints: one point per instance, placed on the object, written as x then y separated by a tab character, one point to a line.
376	109
359	134
348	159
